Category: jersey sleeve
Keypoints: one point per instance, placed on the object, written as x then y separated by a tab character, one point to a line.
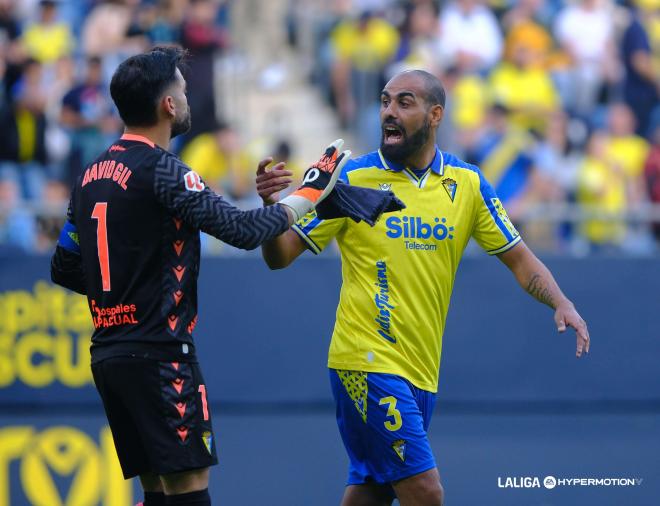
66	267
493	229
317	233
180	190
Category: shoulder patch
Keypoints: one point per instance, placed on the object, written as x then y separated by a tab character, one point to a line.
501	213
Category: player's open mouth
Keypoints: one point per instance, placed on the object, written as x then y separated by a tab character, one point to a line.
392	134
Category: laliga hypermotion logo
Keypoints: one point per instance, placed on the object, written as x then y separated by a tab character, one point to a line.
550	482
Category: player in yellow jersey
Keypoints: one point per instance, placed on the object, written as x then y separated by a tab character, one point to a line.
397	280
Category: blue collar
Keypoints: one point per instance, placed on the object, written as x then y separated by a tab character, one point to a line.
437	165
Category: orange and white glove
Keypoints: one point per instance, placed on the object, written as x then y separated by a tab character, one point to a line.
318	181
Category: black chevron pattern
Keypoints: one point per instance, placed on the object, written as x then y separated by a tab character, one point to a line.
181	249
209	212
179	395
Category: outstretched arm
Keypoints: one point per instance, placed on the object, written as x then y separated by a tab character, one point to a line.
535	278
185	195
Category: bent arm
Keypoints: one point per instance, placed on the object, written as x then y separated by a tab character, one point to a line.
284	249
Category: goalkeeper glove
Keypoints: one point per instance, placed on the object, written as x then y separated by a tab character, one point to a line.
318	181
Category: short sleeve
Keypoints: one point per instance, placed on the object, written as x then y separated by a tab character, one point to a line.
317	233
493	229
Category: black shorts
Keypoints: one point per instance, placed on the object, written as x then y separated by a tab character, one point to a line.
158	414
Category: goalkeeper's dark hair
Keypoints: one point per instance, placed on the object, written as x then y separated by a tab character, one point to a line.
435	92
139	82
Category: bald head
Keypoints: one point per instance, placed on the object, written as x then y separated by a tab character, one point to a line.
431	87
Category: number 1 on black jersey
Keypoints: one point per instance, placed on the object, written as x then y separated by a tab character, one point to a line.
99	213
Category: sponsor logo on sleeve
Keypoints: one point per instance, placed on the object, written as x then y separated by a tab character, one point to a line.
193	182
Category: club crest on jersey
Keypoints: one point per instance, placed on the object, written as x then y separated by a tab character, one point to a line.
193	182
399	447
207	438
385	186
450	185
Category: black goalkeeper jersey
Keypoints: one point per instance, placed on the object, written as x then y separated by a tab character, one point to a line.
137	211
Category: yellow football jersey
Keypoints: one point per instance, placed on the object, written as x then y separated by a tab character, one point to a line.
398	275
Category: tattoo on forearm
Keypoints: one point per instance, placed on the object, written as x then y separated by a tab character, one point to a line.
538	288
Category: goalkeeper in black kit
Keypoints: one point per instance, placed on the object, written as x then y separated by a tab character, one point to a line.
131	244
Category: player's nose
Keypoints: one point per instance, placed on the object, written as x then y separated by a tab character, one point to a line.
388	119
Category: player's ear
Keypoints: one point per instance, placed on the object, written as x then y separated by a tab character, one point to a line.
437	112
168	106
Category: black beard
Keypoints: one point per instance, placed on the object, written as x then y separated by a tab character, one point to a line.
181	126
399	153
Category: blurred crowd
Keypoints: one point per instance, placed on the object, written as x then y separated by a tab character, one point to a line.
56	114
557	101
